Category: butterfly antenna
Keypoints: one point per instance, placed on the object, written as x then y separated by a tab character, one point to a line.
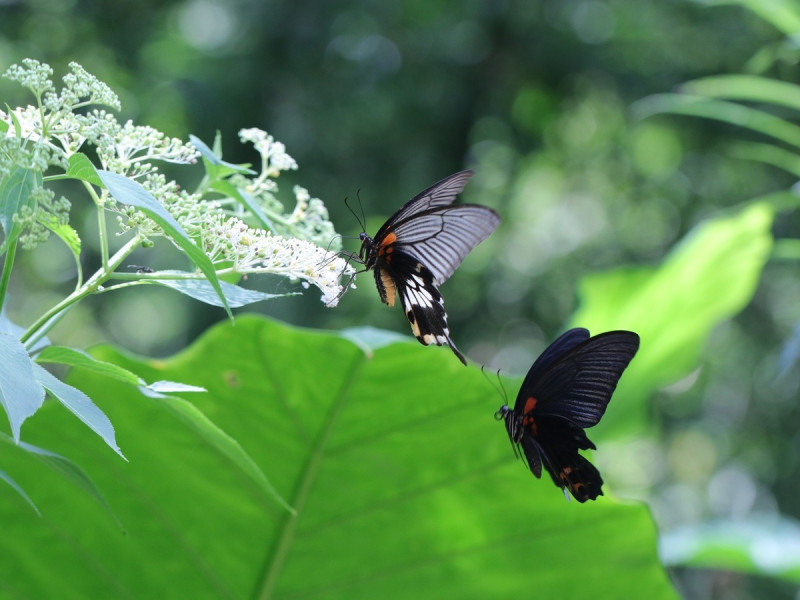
361	208
361	221
499	387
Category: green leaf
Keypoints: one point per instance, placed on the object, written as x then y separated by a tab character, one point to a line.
20	394
720	110
782	14
768	546
220	167
750	88
7	478
78	358
67	234
15	193
16	331
708	278
80	405
157	389
225	444
68	469
404	485
80	167
127	191
767	153
201	290
228	189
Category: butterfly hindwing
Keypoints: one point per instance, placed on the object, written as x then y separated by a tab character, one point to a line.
556	448
422	303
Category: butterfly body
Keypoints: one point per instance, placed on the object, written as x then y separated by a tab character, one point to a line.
567	390
420	247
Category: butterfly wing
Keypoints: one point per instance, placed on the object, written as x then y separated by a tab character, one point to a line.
441	193
578	378
441	237
567	389
422	303
556	448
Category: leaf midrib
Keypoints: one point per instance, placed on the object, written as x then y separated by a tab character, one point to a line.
281	550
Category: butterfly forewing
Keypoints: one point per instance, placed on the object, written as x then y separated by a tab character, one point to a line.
441	193
577	384
440	238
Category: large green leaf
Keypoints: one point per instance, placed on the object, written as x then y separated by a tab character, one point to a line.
708	278
403	483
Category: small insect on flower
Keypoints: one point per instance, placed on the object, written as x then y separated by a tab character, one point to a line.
567	390
420	247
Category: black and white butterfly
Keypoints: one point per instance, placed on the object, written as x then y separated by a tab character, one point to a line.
567	390
420	247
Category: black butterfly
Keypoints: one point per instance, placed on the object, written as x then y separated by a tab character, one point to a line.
418	249
566	390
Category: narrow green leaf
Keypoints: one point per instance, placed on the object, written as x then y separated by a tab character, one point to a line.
228	189
769	154
4	127
751	88
80	167
222	168
78	358
159	389
68	469
708	278
768	546
782	14
224	444
720	110
174	386
20	394
80	405
7	478
201	290
127	191
15	120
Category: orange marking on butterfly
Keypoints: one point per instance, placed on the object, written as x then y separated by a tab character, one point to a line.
389	289
386	244
527	419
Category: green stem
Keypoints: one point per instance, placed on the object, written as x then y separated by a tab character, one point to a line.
6	275
44	323
101	225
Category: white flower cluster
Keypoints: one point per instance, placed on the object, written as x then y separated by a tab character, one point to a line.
259	251
48	134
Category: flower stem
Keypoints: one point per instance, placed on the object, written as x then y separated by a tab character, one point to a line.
44	323
6	275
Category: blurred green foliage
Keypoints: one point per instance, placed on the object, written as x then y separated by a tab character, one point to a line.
535	95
